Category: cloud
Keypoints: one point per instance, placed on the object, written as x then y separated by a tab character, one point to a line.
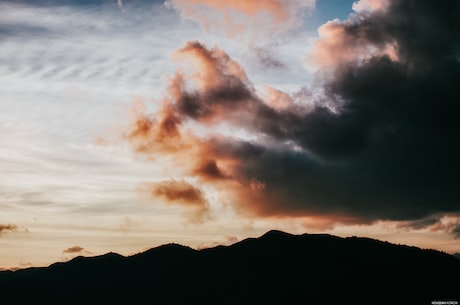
74	249
183	194
456	231
22	265
179	192
76	46
238	17
355	39
277	99
376	140
449	223
370	5
4	228
8	227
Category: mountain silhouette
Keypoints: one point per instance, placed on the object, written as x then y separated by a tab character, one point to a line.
275	268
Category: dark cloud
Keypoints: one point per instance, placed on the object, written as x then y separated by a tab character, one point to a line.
456	231
423	223
390	150
378	142
448	224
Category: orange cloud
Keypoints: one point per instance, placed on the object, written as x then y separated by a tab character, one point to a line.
215	85
182	193
353	40
340	43
213	69
7	227
179	192
214	90
249	8
74	249
11	228
155	133
370	5
277	99
240	16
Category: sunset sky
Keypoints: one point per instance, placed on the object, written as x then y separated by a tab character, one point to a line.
128	124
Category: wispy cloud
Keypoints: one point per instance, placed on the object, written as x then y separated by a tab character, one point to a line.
74	249
239	18
9	227
65	44
65	71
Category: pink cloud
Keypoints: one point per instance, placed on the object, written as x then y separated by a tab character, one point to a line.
238	17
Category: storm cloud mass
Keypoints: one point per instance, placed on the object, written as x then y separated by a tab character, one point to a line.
376	140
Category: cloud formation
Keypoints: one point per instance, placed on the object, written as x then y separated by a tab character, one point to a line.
449	223
74	249
357	39
8	227
184	194
375	141
370	5
238	17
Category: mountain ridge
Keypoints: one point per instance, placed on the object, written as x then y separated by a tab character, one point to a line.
274	268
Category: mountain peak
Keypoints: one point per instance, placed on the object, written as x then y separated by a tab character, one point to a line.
275	268
276	234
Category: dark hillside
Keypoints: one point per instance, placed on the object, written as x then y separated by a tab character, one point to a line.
276	268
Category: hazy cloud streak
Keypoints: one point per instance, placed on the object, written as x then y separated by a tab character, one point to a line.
239	17
8	227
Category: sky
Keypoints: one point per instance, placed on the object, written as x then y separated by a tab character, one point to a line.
125	125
